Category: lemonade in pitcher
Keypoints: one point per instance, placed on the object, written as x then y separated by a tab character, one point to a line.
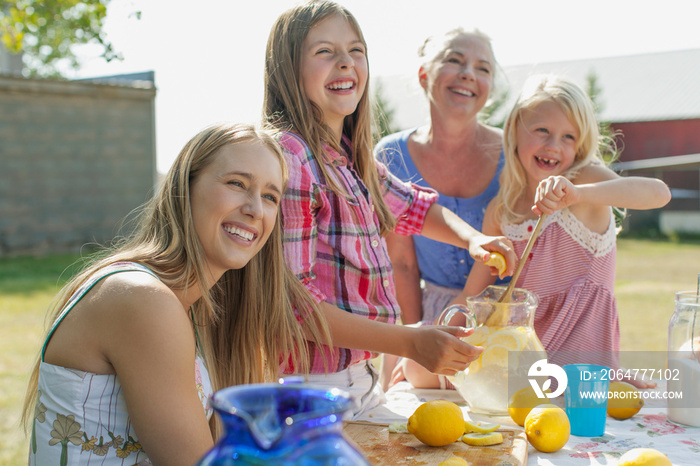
505	331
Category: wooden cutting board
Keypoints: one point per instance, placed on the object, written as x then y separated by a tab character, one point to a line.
382	448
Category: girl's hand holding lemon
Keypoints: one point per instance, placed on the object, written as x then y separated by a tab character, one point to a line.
497	262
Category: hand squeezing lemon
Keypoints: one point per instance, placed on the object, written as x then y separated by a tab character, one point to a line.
497	260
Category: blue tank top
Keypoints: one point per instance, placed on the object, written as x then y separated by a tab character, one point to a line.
439	263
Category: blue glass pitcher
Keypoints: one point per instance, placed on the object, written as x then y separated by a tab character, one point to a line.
274	424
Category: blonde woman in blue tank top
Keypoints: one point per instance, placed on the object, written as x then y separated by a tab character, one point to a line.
122	376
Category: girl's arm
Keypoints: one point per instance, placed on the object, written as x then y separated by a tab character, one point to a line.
438	349
149	340
406	277
597	185
443	225
481	275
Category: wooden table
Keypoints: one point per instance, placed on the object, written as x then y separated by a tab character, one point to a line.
649	428
395	449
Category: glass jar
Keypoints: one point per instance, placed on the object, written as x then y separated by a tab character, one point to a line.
683	362
506	332
282	424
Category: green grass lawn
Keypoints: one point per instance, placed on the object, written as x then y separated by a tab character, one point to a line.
27	286
648	275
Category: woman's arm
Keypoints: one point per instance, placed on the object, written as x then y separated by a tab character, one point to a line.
402	253
149	340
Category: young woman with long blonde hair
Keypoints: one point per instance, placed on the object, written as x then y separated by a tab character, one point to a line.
197	298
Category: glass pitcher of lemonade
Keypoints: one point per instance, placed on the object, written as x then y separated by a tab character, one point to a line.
683	372
506	332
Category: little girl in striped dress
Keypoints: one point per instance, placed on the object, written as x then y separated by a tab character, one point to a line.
553	166
553	149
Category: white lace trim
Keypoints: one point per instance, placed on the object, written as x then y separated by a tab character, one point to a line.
595	243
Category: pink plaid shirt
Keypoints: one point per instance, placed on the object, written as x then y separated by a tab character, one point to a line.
332	243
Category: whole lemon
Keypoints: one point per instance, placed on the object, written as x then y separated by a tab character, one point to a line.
547	428
522	402
644	457
437	423
624	400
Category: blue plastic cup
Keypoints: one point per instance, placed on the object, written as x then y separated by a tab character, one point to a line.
586	398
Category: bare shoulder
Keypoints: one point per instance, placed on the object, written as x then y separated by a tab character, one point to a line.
596	217
493	133
133	287
139	309
491	137
129	306
132	303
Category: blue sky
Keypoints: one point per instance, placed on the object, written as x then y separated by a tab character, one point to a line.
208	60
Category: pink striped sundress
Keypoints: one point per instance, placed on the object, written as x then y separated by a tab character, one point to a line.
572	271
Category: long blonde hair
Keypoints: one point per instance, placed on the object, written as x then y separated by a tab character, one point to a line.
246	321
287	107
577	106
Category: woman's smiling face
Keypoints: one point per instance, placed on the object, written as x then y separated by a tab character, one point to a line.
460	76
235	201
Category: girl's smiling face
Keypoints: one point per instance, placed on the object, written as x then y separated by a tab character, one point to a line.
546	141
235	200
334	69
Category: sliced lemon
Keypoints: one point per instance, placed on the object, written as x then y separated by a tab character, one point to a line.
475	438
512	339
479	336
474	366
497	260
479	427
398	427
495	355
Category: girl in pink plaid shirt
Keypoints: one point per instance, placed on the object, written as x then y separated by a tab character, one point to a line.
340	203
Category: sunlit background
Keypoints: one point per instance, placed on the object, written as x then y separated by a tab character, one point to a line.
208	55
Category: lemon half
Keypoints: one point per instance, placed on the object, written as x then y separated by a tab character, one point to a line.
497	260
476	438
495	355
511	338
479	427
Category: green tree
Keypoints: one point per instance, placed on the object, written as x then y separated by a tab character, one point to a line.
383	113
494	113
610	151
45	31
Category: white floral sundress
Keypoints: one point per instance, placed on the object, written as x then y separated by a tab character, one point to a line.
80	417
